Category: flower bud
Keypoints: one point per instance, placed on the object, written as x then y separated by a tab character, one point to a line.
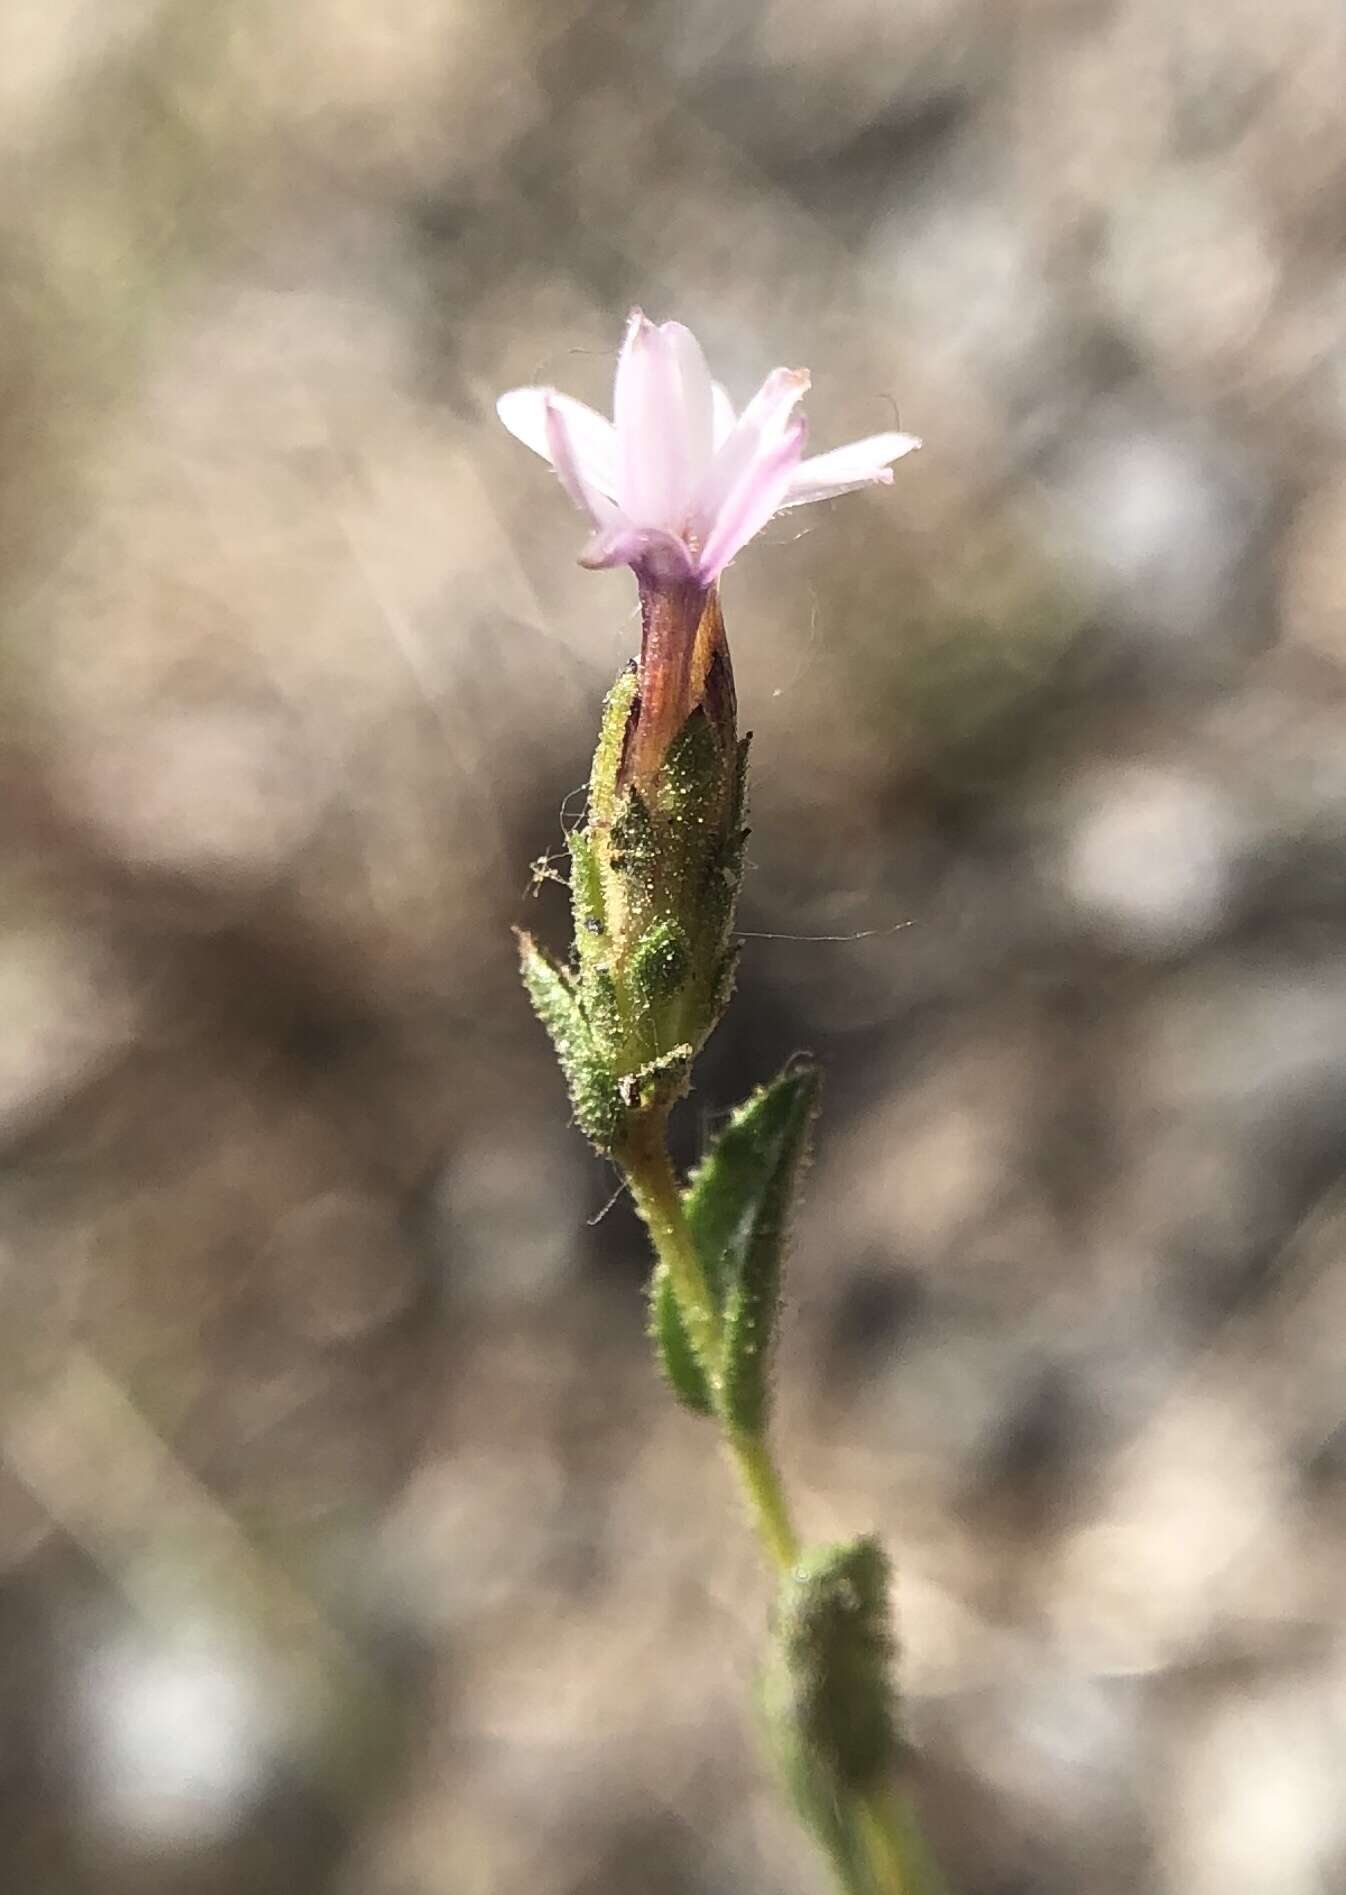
655	874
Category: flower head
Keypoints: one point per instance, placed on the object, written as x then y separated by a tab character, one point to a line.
676	484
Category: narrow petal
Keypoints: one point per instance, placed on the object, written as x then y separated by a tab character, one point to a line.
648	550
647	411
859	464
723	412
524	413
759	429
619	544
748	506
564	455
593	441
698	402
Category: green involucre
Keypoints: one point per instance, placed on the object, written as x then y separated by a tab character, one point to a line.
594	1089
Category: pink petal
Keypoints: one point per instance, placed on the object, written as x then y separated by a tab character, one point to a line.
564	457
592	439
723	410
758	430
698	401
651	435
752	501
649	549
859	464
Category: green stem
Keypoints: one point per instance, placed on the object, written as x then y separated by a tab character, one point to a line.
899	1860
885	1848
658	1198
766	1496
877	1850
655	1190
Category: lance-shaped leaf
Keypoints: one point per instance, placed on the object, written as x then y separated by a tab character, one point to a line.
833	1718
594	1091
673	1345
834	1648
738	1206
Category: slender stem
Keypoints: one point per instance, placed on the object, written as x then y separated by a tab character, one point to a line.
877	1849
885	1852
899	1860
658	1198
766	1494
653	1186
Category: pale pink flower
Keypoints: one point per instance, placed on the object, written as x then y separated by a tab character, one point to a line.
676	484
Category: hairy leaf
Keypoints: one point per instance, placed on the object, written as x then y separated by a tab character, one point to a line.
738	1206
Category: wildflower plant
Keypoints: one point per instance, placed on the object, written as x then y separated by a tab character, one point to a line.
674	486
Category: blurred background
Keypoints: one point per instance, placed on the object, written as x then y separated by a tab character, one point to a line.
348	1541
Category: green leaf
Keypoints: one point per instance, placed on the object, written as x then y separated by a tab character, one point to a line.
834	1648
594	1091
677	1357
738	1206
832	1718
